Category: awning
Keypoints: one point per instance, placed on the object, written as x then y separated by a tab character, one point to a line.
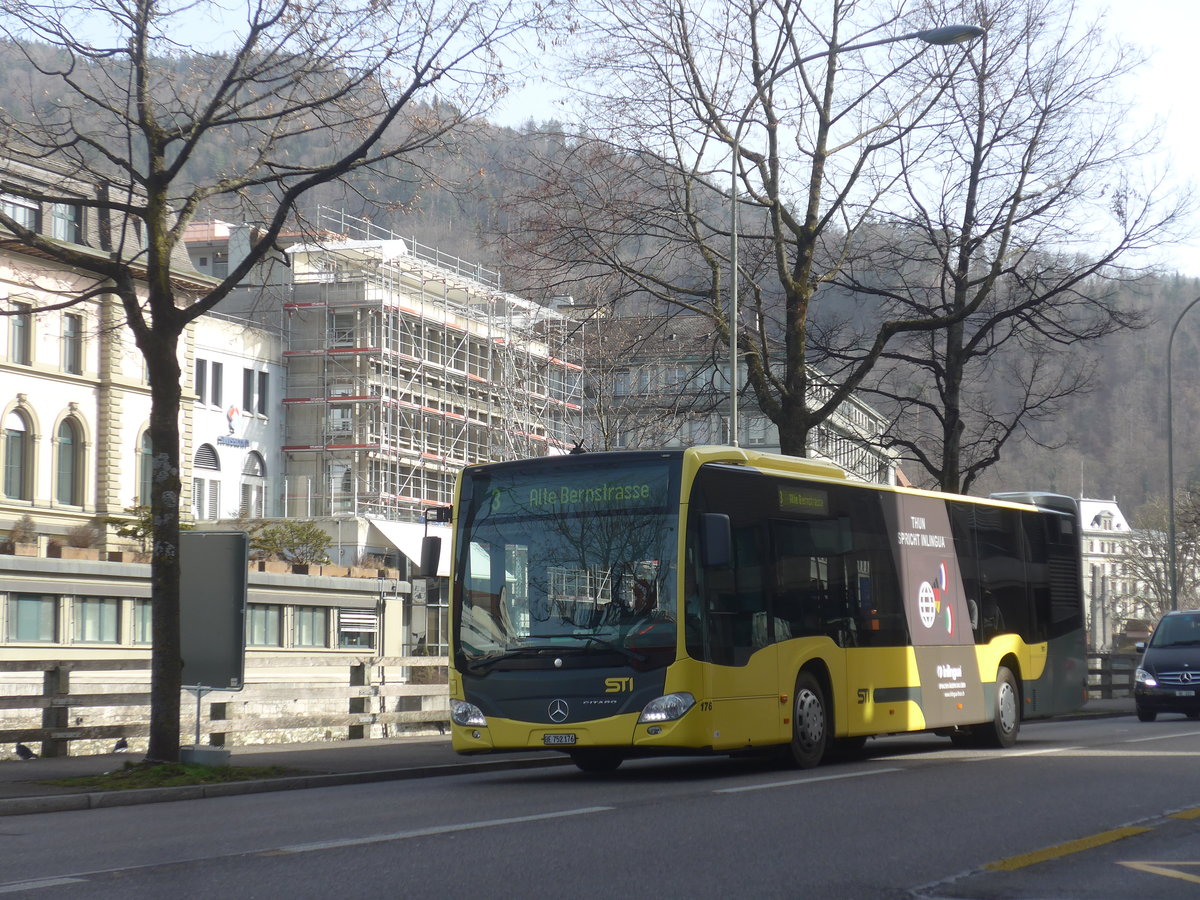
407	537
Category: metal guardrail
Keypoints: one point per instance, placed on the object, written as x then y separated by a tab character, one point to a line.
385	691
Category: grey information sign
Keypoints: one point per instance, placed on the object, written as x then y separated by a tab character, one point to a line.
212	599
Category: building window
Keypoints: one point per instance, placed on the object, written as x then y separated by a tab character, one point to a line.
145	471
23	210
20	335
72	347
621	382
142	627
69	473
343	329
200	380
96	620
262	398
206	492
32	617
357	629
254	488
220	263
218	375
263	625
17	457
341	419
66	222
311	627
248	391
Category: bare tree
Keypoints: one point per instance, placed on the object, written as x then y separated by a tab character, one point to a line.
1018	213
801	103
650	381
135	106
1146	560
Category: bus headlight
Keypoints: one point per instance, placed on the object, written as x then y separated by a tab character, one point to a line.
668	708
1141	676
464	713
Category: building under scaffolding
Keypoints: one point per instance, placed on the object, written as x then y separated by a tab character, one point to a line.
404	366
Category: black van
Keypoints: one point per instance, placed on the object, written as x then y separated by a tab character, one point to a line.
1168	680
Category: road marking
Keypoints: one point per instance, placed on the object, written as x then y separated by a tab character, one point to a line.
778	784
1059	850
432	830
1162	737
1193	813
15	886
1019	754
1161	868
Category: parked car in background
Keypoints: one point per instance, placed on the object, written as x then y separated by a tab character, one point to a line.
1168	679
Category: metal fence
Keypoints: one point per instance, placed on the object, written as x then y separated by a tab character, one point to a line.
86	706
1110	675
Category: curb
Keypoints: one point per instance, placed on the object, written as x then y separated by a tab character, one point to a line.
21	806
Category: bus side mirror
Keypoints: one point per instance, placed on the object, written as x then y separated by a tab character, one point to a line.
431	553
716	542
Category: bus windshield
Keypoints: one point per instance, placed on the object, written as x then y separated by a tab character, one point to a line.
572	560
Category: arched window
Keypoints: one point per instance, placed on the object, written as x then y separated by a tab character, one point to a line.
254	487
18	452
145	471
68	484
206	492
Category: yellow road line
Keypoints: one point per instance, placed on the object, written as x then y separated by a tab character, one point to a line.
1087	843
1163	869
1186	814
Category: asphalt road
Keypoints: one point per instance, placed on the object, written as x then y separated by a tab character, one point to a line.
1078	809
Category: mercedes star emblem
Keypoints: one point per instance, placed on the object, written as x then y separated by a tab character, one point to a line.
559	711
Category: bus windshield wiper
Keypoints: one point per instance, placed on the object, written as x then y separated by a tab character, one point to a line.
487	660
627	652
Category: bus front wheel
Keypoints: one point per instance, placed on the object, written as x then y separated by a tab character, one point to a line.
597	760
810	722
1006	716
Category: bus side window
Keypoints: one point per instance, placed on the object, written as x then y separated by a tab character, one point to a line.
1004	602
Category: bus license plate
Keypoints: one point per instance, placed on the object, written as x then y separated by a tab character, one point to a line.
556	739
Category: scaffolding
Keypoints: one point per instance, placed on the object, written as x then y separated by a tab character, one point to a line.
404	365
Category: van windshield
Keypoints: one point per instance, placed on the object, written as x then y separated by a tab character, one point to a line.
1177	631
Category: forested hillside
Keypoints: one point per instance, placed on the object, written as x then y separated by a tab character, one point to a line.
1113	439
1108	442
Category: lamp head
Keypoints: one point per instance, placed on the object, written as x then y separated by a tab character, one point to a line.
950	34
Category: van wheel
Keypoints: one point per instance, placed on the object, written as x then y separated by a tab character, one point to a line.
810	722
1006	717
1146	715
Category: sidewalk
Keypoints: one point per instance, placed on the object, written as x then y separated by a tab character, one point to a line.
323	764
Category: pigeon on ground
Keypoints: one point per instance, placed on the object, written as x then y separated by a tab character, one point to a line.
122	746
25	753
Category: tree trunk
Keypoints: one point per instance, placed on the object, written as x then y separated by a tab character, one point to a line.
166	663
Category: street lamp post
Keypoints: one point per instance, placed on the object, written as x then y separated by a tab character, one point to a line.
1173	581
949	34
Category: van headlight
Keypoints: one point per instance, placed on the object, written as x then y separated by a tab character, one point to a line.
1141	676
464	713
667	708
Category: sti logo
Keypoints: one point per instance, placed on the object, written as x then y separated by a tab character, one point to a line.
618	685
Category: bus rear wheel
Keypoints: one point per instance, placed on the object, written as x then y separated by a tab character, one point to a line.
1002	731
597	760
810	722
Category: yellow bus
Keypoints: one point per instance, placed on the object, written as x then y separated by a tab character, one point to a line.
719	600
